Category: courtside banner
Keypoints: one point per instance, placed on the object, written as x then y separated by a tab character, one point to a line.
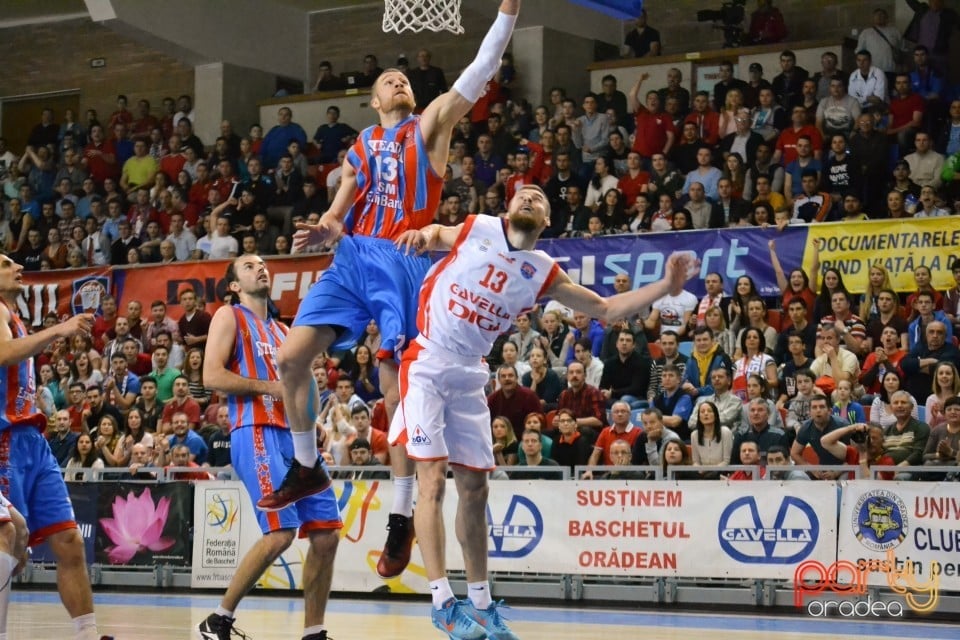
899	245
226	528
730	252
689	529
686	529
902	533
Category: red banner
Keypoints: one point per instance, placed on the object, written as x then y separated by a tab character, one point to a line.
68	292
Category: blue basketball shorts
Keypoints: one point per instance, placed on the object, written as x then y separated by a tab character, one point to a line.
31	478
261	457
369	278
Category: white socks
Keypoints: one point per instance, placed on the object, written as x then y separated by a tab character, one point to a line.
7	564
85	627
440	591
403	496
223	612
305	447
309	631
479	594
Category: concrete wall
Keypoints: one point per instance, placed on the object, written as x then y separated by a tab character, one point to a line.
56	56
271	37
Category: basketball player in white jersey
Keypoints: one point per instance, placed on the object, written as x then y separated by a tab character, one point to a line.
491	275
13	555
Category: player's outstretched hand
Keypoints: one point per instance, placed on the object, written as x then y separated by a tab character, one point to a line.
412	241
80	323
324	233
680	268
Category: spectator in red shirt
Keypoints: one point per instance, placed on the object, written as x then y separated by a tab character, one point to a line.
633	182
194	322
511	400
906	114
181	402
584	400
78	408
749	455
172	162
706	119
766	24
105	321
180	457
655	132
522	174
787	141
621	429
100	157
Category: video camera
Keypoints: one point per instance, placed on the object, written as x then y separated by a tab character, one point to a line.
728	17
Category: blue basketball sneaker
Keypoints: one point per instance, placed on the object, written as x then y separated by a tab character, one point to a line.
455	620
493	622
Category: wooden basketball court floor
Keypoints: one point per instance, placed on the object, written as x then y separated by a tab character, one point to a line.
38	615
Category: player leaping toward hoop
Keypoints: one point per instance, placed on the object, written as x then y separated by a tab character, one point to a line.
391	183
491	275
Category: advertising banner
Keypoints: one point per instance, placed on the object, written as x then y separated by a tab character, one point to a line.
899	245
227	528
851	248
690	529
902	533
732	253
144	524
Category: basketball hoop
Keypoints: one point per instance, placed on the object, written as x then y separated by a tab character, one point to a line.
421	15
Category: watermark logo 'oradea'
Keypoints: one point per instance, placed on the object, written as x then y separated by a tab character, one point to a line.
518	532
768	533
880	520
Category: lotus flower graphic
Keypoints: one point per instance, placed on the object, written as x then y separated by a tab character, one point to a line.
137	525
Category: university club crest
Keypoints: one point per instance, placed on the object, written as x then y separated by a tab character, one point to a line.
880	520
527	270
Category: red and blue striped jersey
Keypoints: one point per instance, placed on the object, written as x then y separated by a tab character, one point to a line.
19	384
397	189
255	357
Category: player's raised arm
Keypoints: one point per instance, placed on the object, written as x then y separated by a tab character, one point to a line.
441	115
679	269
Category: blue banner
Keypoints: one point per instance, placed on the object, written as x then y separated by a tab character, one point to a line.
730	252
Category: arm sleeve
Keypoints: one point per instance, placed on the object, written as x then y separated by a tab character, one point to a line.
474	78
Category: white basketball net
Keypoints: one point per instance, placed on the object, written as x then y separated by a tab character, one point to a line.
421	15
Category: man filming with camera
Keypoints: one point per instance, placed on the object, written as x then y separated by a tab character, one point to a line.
821	423
865	448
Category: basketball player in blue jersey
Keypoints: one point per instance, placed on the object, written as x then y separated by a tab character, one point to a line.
240	362
391	183
29	474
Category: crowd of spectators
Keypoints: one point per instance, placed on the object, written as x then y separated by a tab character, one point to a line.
732	376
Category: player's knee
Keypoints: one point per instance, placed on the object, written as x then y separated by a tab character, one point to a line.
8	537
324	542
67	545
279	541
391	397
